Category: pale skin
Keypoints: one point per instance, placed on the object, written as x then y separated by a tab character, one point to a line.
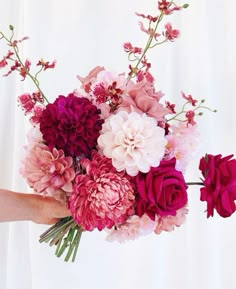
39	209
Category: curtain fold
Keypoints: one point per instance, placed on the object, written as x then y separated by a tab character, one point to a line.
81	34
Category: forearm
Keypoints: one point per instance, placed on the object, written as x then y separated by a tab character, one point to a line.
30	207
17	206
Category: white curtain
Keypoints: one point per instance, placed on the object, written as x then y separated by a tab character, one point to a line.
81	34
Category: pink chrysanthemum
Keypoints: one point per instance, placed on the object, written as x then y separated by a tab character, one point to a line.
71	123
101	198
46	171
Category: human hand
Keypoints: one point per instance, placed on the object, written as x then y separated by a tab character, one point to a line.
48	210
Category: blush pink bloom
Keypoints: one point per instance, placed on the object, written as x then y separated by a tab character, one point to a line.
47	172
132	229
34	136
168	223
134	142
143	98
183	144
101	198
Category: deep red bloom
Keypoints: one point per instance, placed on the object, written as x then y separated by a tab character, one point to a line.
162	191
71	123
219	189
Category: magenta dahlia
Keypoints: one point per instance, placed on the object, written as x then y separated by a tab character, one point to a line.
72	124
101	198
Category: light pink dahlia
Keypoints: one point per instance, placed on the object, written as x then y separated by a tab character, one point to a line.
46	171
100	198
134	142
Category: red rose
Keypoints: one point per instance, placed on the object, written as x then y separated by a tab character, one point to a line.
162	191
219	189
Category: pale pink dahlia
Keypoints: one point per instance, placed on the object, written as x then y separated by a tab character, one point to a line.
134	142
101	199
46	171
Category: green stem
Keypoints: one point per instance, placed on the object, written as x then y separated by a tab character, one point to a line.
147	46
194	183
34	79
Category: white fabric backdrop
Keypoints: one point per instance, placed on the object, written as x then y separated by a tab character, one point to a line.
81	34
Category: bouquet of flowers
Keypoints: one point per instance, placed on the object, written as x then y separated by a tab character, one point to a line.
113	150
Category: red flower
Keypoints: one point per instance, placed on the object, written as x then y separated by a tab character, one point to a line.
162	191
71	123
219	189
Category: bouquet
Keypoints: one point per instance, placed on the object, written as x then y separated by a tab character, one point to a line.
114	150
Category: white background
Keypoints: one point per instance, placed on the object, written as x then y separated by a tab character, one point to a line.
81	34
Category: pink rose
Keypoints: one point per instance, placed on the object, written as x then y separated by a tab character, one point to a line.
162	191
219	189
142	98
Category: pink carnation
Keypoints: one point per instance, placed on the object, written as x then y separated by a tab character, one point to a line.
101	198
46	171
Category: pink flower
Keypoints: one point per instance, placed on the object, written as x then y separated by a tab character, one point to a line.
109	88
3	63
183	143
101	198
171	33
46	171
149	31
37	113
133	228
189	99
161	192
90	78
167	7
219	182
134	142
143	98
26	102
168	223
128	47
34	136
